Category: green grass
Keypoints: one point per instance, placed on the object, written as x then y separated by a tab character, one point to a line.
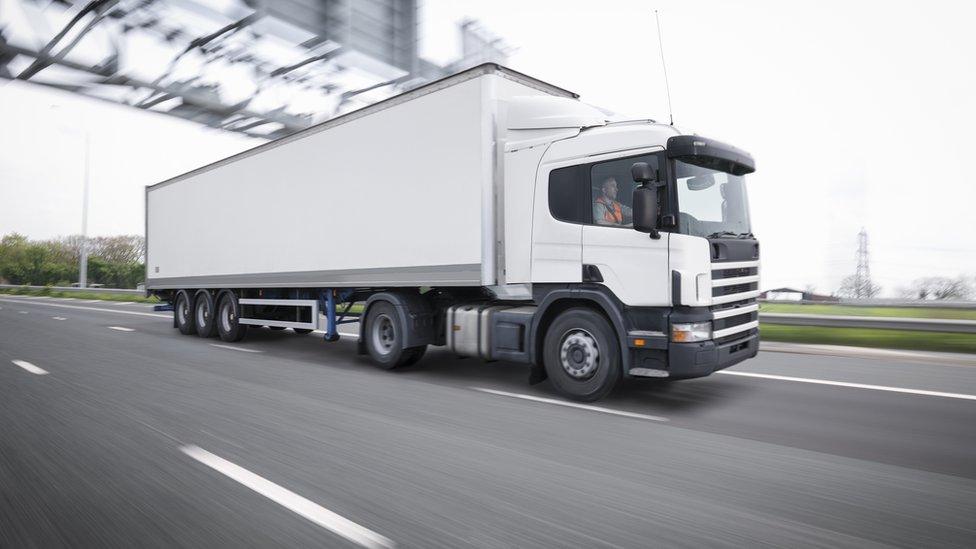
863	337
79	295
849	310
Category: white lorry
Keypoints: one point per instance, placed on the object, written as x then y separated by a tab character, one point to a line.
488	212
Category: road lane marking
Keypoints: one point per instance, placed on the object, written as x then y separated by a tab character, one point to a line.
22	312
571	404
851	385
59	318
124	303
233	348
30	367
117	311
121	328
290	500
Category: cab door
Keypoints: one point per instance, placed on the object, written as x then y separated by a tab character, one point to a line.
557	229
633	265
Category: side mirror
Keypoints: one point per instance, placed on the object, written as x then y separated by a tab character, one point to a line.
645	210
643	173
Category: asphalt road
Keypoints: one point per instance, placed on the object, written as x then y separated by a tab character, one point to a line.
116	431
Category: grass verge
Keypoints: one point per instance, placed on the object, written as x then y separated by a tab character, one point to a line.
863	337
79	295
849	310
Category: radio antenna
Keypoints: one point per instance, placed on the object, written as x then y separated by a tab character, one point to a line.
664	65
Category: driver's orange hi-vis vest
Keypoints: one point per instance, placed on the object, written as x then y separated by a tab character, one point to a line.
612	211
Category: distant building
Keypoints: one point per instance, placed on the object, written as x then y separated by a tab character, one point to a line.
789	294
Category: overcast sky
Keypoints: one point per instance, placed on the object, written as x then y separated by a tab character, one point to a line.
859	114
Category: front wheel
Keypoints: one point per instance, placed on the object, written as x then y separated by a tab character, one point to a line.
582	355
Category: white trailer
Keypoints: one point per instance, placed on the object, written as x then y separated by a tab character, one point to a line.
489	212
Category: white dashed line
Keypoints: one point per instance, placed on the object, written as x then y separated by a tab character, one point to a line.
290	500
124	303
22	312
232	348
850	385
121	328
59	318
572	404
30	367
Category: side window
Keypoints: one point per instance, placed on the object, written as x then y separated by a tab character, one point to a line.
567	194
612	189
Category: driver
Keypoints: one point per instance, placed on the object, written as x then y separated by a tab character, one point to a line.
607	210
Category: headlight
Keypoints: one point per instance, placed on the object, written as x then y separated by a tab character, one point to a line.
691	331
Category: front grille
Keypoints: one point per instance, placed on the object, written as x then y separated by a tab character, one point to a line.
738	320
734	273
731	292
737	336
736	289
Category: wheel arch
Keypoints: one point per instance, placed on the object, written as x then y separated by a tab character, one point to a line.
414	312
558	301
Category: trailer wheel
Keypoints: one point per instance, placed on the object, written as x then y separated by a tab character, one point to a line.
276	328
383	336
203	314
582	355
228	312
302	331
183	313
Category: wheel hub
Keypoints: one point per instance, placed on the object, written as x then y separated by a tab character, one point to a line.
579	354
384	334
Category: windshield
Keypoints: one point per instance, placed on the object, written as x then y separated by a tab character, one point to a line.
711	203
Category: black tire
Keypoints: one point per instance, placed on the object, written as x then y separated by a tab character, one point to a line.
302	331
276	328
203	314
183	313
383	335
228	311
582	355
414	355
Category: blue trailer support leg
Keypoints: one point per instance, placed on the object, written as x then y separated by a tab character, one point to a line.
329	297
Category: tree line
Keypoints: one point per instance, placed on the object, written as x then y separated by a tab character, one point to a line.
926	289
113	261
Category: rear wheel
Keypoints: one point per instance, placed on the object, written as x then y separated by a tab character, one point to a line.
203	315
228	313
302	331
582	355
383	335
183	313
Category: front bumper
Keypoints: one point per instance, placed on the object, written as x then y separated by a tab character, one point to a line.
688	360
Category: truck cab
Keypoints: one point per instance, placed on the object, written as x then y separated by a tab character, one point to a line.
681	292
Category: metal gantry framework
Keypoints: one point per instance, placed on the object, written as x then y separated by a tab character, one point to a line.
262	68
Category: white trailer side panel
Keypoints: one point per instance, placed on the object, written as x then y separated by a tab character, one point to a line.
391	198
